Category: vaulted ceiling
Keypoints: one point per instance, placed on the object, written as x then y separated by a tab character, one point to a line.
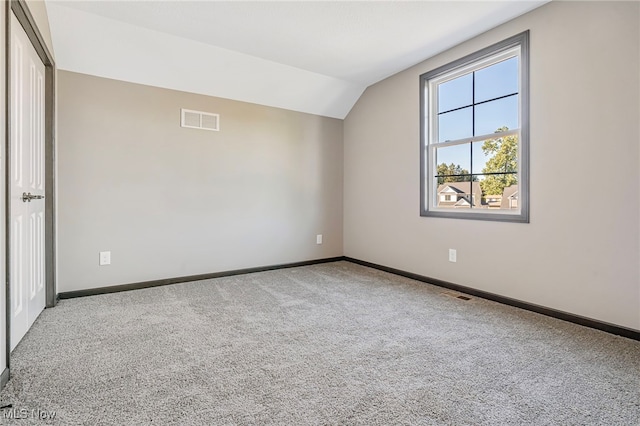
310	56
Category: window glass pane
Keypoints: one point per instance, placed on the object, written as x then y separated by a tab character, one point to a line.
500	191
500	157
452	160
455	125
495	115
460	194
510	197
497	80
480	157
455	93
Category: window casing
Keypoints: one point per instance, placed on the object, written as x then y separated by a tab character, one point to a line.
475	135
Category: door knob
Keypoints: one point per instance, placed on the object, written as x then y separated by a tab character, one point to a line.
28	197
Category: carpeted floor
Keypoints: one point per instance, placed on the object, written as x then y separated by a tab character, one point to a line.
335	343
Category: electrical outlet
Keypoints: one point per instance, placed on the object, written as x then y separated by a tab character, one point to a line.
453	255
319	239
105	258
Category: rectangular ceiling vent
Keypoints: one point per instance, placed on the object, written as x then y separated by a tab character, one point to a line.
200	120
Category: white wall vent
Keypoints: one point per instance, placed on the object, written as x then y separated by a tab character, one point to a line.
200	120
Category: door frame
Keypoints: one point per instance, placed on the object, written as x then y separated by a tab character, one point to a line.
21	11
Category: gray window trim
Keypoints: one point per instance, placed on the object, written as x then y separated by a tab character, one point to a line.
522	40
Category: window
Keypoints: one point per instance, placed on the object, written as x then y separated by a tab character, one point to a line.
475	135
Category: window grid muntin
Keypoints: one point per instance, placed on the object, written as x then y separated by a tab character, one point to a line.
479	103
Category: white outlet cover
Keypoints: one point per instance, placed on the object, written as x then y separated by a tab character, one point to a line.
105	258
319	239
452	255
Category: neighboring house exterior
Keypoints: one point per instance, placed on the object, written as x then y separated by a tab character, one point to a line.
510	197
493	201
459	195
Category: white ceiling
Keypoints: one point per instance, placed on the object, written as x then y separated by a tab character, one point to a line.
308	56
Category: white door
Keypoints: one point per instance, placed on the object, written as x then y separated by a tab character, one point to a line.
26	187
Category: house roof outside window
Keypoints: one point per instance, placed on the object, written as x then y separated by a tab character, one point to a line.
462	191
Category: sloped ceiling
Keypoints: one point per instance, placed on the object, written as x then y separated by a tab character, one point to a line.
313	57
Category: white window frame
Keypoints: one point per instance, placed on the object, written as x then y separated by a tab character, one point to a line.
514	46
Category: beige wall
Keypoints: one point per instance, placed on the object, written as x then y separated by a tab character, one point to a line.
581	251
170	201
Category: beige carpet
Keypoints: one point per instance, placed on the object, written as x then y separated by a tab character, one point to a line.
335	343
